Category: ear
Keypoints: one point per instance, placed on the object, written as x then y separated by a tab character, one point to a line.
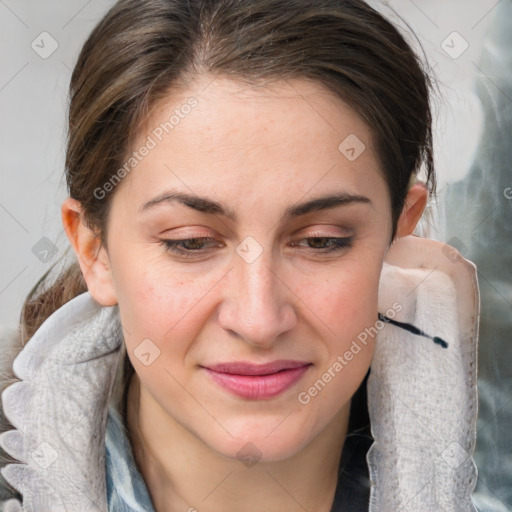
415	203
91	255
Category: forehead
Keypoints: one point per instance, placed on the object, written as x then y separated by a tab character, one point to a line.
222	135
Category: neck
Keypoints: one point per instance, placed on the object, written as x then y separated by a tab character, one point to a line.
182	473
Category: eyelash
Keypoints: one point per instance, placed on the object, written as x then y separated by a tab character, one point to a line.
176	246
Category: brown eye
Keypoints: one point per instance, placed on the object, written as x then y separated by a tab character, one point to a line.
327	244
188	247
318	242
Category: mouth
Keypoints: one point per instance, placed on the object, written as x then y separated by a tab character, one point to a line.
257	382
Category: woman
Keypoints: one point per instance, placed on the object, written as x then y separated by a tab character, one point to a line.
243	187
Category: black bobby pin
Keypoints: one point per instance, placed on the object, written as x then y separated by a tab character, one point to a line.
414	330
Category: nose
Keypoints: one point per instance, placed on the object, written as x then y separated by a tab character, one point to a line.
258	304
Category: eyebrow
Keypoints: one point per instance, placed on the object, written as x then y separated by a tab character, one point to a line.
206	205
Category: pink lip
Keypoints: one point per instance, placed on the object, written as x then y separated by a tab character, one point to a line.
258	382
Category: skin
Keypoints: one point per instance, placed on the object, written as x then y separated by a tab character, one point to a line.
258	151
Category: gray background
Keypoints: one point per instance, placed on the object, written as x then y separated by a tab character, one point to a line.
473	156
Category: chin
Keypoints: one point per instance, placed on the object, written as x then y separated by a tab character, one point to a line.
260	441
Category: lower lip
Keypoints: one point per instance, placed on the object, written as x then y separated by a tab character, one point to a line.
259	387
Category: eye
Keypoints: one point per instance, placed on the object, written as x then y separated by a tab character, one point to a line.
325	244
188	247
191	247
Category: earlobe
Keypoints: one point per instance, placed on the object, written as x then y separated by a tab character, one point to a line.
91	255
415	204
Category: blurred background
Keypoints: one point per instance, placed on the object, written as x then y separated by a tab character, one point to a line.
468	46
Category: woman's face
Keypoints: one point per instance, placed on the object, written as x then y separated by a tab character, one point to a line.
251	230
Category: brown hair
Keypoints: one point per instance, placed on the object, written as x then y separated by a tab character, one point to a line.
141	50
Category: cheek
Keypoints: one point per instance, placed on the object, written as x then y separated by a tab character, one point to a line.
347	309
348	304
161	304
